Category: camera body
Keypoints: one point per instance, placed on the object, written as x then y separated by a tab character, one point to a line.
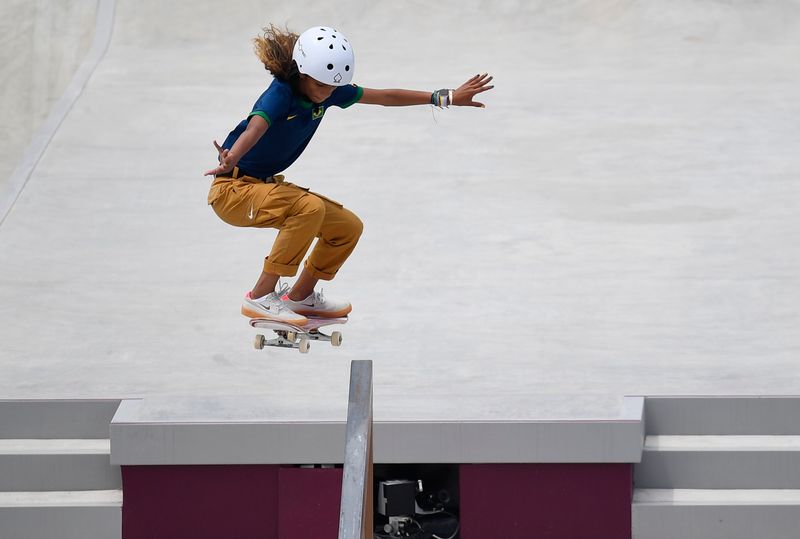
405	509
396	497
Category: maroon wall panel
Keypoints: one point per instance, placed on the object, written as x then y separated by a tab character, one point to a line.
309	502
545	501
200	502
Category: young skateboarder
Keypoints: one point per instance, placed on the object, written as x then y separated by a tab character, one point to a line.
312	72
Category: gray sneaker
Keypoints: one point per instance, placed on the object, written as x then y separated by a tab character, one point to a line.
270	307
318	306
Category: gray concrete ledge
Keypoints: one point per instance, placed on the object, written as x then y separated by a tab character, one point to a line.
226	433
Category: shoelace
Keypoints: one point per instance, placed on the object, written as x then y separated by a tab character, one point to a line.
318	297
283	288
282	292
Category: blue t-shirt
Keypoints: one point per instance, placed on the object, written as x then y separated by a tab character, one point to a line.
292	122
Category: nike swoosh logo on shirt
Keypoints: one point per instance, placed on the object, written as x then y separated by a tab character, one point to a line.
292	116
251	214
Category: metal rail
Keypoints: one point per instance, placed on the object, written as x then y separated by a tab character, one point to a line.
355	515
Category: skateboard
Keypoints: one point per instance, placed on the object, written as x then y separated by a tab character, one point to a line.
300	337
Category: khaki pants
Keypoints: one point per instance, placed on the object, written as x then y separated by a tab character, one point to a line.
300	216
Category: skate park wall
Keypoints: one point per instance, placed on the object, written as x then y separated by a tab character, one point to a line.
42	43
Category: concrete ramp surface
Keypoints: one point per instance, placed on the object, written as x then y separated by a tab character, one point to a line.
620	219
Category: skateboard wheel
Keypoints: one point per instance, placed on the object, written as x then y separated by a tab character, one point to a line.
304	346
336	338
260	339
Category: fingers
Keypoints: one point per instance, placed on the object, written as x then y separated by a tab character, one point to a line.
471	81
479	80
477	84
481	85
224	165
223	152
222	168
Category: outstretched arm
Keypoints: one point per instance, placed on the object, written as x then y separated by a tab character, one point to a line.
463	95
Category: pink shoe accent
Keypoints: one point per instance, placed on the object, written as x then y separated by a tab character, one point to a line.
248	296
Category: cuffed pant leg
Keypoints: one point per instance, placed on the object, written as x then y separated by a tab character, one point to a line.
338	236
298	230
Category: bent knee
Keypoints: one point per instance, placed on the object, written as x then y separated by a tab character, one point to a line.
347	230
310	206
353	228
356	226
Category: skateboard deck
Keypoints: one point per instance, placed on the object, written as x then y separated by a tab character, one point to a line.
300	337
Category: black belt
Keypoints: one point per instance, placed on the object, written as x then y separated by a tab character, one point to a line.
238	173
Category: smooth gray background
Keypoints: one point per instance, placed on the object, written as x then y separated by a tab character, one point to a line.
621	219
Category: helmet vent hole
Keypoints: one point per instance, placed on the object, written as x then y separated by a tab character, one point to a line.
347	68
331	46
320	38
330	67
334	37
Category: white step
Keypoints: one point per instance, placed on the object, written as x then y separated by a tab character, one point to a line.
716	497
715	514
78	498
722	443
719	462
61	515
55	447
57	465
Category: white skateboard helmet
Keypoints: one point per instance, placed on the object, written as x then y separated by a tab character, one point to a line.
324	54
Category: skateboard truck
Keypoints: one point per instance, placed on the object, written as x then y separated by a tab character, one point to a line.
300	337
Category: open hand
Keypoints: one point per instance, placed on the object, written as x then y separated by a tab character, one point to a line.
465	93
226	162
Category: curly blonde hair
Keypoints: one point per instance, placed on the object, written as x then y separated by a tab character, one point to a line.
274	48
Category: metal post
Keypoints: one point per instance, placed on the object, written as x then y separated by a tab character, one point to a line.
355	515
